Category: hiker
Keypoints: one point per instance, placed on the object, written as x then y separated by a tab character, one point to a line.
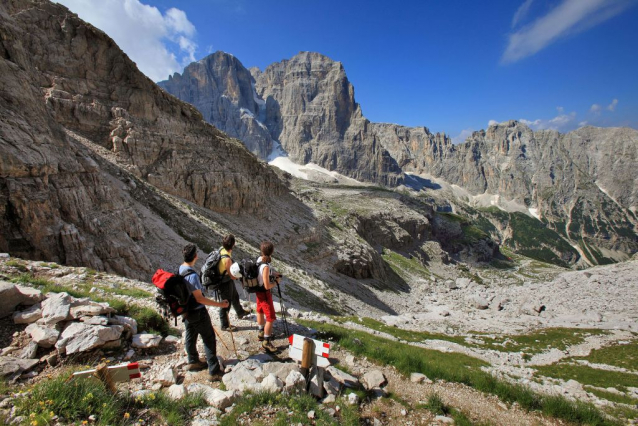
227	288
267	278
197	321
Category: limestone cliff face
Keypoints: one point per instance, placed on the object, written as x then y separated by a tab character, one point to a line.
582	183
223	91
311	111
59	73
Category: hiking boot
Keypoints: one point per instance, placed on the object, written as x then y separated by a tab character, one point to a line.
243	314
216	376
230	328
196	366
260	335
268	346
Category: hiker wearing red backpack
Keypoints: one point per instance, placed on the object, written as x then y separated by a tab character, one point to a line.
268	278
197	321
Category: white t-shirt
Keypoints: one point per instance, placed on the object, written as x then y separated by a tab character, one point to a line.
260	277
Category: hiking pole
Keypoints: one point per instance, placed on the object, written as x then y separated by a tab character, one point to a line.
220	338
283	311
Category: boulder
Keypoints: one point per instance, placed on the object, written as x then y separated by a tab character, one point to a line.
127	322
30	351
272	383
145	341
242	378
316	383
215	397
353	399
342	377
462	283
419	378
167	377
99	320
81	337
479	302
295	382
10	297
279	369
332	386
56	308
44	336
374	379
176	392
11	366
30	295
92	310
29	315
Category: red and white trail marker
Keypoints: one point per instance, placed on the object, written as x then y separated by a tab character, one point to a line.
320	357
117	373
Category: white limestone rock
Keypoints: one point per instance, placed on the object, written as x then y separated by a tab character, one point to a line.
295	382
56	308
342	377
81	337
272	383
145	341
176	392
29	315
44	336
374	379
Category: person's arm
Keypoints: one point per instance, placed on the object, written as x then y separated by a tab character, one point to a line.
265	274
200	298
228	262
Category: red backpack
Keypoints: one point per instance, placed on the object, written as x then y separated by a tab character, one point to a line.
174	296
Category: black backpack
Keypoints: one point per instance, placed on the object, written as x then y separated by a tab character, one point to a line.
174	296
211	278
249	276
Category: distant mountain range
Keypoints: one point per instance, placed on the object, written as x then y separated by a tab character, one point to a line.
581	188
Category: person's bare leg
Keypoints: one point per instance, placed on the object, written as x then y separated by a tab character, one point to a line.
268	329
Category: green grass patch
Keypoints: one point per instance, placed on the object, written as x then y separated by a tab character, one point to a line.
133	292
16	264
30	279
613	397
456	368
404	267
436	406
407	335
618	355
587	375
73	402
540	341
293	409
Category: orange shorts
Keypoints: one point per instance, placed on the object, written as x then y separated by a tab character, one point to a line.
265	305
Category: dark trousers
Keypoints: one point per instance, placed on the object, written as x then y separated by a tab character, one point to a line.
197	323
228	291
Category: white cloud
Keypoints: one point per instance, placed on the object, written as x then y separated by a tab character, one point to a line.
570	16
492	123
561	123
142	32
521	12
461	137
583	124
560	110
595	108
612	106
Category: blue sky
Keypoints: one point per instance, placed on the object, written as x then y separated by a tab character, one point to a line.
451	66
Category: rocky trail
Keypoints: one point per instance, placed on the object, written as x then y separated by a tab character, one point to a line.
393	399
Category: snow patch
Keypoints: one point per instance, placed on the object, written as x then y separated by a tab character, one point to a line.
313	172
534	212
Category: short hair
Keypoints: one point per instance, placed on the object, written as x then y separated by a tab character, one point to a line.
189	251
228	242
267	248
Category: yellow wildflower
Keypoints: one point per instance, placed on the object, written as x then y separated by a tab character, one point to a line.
85	422
51	414
127	415
34	423
32	416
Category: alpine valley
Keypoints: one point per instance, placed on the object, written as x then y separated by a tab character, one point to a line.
510	231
